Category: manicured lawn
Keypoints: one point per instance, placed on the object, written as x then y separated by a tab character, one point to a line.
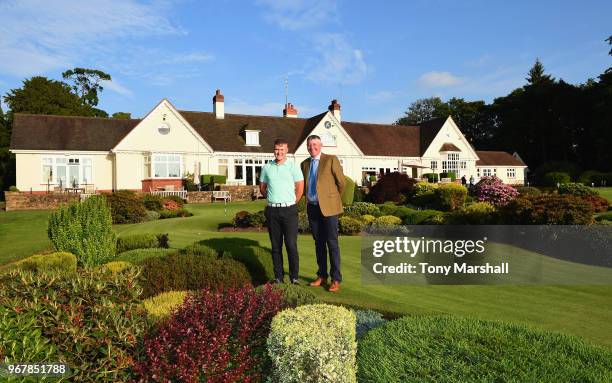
605	192
578	310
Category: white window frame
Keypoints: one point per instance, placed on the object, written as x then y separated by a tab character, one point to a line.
67	162
451	164
511	172
487	172
328	140
251	137
155	161
433	165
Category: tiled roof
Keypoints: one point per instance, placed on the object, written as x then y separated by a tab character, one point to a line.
384	140
43	132
497	158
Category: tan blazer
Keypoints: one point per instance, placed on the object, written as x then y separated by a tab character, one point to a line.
330	183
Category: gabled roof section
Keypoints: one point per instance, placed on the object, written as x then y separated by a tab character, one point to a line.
384	140
223	135
45	132
449	147
429	131
497	158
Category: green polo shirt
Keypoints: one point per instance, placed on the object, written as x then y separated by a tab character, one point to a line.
281	180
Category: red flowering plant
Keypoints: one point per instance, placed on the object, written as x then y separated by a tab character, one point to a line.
213	337
494	191
171	205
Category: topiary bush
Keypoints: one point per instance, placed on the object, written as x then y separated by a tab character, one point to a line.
313	343
479	213
451	175
85	230
450	197
576	189
392	187
61	262
367	320
190	272
91	321
554	178
431	177
453	349
161	306
548	209
494	191
126	207
136	256
152	202
293	295
136	241
258	262
349	225
212	337
349	191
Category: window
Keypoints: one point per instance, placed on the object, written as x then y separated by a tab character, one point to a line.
511	173
462	165
67	171
434	165
451	164
222	167
327	139
147	167
486	172
238	174
252	137
167	166
87	168
478	172
47	173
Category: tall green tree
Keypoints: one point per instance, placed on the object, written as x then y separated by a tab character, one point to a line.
536	75
40	95
424	109
86	83
122	115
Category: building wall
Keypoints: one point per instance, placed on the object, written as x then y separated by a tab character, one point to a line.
501	172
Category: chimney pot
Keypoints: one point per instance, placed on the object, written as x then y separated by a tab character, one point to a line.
219	105
290	111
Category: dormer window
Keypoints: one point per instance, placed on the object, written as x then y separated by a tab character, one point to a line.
252	137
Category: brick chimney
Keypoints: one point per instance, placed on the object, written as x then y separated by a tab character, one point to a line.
334	107
219	105
290	111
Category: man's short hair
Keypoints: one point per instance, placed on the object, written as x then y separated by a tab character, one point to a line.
281	141
313	137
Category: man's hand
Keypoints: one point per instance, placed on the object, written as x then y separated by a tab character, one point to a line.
299	190
263	188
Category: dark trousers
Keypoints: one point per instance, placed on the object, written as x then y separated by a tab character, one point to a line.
283	224
325	233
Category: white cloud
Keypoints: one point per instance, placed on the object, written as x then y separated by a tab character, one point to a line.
439	80
337	62
299	14
479	62
383	95
116	87
194	57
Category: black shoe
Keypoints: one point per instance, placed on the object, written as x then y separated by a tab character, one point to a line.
295	282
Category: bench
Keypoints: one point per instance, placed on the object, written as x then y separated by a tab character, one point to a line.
222	194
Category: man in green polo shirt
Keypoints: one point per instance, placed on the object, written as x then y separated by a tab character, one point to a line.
282	183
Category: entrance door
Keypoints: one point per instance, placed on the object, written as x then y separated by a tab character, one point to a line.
249	175
257	174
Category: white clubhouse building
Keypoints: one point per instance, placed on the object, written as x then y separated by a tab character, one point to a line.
158	150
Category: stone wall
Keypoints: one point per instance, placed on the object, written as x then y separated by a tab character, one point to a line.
27	201
240	192
199	197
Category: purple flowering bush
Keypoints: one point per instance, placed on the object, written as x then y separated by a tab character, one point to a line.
494	191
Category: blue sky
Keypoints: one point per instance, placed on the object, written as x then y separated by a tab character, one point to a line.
374	57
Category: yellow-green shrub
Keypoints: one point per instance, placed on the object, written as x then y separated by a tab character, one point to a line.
313	344
62	262
162	305
450	197
367	219
117	266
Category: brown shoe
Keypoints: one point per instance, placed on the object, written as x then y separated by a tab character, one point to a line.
335	287
318	282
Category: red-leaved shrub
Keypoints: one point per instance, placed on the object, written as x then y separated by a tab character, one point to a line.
171	205
599	203
548	209
392	187
213	337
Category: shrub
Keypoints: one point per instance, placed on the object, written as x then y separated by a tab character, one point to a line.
117	266
494	191
293	295
303	224
598	203
152	202
391	187
367	320
241	219
126	207
528	191
138	255
450	196
548	209
212	337
257	219
479	213
607	216
313	343
421	188
85	230
171	205
219	179
165	214
151	215
136	241
554	178
91	321
388	208
201	250
162	305
190	272
386	222
451	175
349	225
367	219
63	263
453	349
258	262
421	216
362	208
359	195
301	205
431	177
402	212
576	189
349	191
13	188
179	201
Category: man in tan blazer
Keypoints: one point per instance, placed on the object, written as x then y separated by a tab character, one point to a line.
324	183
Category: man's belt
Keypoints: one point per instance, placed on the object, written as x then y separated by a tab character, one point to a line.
281	204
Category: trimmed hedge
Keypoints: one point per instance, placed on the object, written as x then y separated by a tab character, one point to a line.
479	213
431	177
126	207
548	209
418	217
450	197
191	272
258	262
60	262
138	255
451	175
165	214
348	194
293	295
85	230
453	349
136	241
361	208
313	343
576	189
117	266
162	305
